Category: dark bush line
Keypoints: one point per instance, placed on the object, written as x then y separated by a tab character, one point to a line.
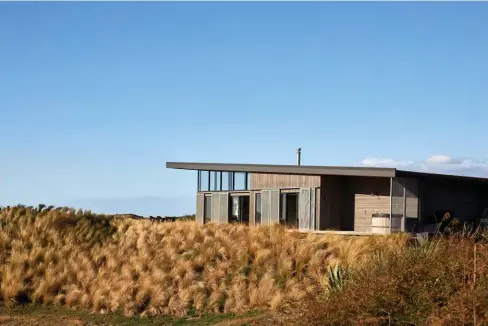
41	208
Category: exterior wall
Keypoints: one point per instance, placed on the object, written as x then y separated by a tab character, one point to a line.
405	202
220	205
280	181
331	199
371	195
412	198
348	203
465	199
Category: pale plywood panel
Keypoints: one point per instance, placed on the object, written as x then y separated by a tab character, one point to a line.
277	181
312	209
215	208
304	209
274	210
265	202
412	207
252	208
365	206
224	207
318	199
200	208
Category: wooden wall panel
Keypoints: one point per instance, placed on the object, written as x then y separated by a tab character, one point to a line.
266	204
412	202
278	181
252	209
224	207
371	195
304	209
466	200
313	208
332	197
412	207
365	206
347	203
215	207
318	199
200	206
274	209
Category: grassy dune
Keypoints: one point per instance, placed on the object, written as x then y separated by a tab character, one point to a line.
102	263
443	281
175	272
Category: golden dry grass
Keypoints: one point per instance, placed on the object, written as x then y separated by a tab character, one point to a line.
81	260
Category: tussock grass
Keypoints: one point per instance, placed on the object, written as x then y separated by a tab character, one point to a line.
77	259
442	281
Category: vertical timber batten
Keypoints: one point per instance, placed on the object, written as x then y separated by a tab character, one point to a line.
404	217
224	207
274	207
304	206
391	204
215	208
199	216
312	208
265	203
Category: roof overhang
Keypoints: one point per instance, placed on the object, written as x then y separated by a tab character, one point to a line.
415	174
286	169
318	170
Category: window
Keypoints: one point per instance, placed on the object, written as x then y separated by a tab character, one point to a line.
214	181
223	181
207	209
239	181
204	181
226	181
289	210
239	209
257	209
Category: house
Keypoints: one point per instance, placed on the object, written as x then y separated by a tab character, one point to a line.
359	200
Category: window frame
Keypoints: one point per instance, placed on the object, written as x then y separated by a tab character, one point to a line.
215	178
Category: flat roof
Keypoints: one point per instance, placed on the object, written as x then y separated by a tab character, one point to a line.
314	170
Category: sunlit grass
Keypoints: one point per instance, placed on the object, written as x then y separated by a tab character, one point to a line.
77	259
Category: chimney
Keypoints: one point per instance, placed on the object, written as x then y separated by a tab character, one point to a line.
299	155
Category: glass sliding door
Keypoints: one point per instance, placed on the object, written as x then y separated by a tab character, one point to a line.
207	209
257	209
239	209
289	210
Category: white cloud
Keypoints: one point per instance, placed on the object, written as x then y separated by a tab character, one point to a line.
385	162
435	164
441	159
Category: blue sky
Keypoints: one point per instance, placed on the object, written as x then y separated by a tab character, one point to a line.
96	97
